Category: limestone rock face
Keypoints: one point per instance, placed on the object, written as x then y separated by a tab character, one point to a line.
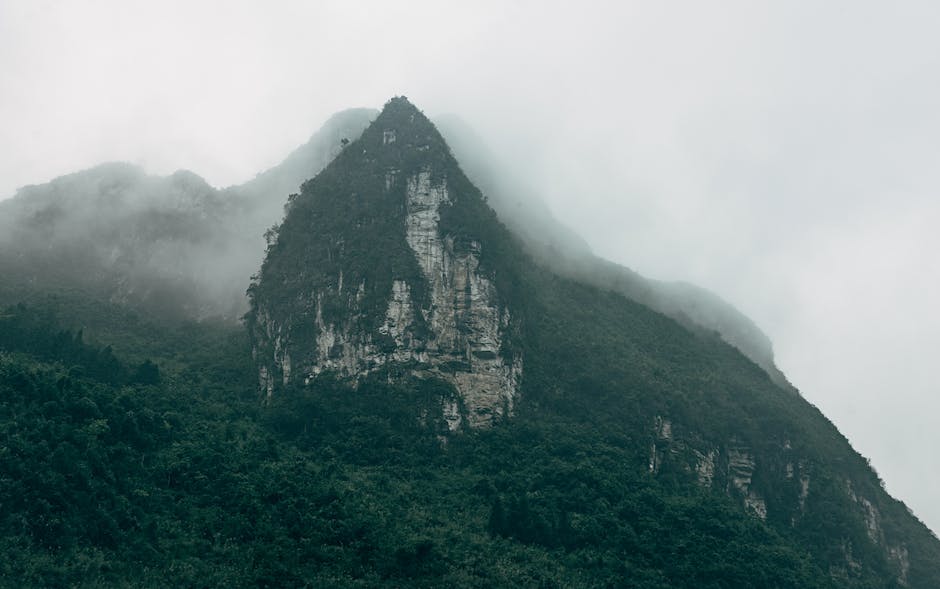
465	317
434	312
898	554
740	472
705	468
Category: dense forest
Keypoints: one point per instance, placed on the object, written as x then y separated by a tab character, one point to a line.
123	474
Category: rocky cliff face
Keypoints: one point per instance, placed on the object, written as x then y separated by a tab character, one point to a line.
432	310
785	492
465	318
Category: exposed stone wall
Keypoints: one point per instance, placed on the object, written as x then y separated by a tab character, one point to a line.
740	472
705	467
464	318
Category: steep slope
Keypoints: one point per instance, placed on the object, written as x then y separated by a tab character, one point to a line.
518	205
558	247
272	186
378	283
391	268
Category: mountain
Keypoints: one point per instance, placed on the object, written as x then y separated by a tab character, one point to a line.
426	392
391	267
378	282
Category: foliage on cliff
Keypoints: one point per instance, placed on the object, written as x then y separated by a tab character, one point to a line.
187	482
190	482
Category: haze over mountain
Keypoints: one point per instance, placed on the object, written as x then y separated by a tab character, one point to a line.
175	245
391	288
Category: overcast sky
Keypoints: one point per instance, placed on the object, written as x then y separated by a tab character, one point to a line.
785	155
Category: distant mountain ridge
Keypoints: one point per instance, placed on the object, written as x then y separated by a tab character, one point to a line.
174	246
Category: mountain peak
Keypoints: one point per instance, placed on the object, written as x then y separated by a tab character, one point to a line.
400	105
405	133
401	113
381	265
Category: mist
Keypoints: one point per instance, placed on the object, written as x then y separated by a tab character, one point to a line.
173	246
782	155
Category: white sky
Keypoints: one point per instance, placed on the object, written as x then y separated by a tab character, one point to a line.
785	154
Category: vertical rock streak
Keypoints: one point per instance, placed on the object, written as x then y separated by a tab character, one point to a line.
464	320
463	313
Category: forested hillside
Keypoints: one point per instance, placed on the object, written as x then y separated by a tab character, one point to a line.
129	475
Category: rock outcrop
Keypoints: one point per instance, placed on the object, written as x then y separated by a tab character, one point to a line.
740	475
435	314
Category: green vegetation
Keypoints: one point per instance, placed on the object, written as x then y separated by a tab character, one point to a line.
191	482
110	482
